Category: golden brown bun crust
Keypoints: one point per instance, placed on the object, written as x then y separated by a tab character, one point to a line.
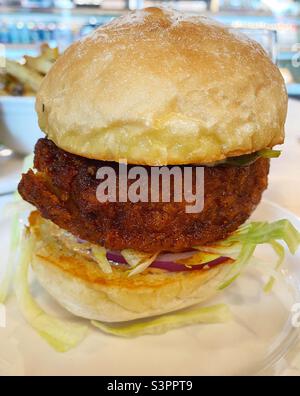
157	87
80	286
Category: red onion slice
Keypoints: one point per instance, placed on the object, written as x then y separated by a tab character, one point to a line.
174	267
116	257
169	265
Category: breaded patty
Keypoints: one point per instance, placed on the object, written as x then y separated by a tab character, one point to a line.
64	191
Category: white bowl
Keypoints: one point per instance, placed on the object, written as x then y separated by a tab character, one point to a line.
19	128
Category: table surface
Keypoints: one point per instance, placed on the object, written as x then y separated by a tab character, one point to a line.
284	180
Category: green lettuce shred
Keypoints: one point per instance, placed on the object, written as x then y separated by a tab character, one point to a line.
62	335
138	261
6	280
279	250
218	313
253	234
15	236
99	253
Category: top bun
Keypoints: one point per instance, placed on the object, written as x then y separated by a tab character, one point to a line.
157	87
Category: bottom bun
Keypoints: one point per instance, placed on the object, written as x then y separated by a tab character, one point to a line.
80	286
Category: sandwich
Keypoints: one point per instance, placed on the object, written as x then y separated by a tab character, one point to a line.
152	91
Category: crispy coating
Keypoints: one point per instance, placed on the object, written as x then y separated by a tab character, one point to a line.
64	191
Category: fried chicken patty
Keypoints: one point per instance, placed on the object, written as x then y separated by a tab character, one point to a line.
64	191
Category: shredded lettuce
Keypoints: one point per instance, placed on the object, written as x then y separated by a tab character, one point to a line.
134	257
139	261
242	260
7	277
219	313
253	234
144	265
62	335
100	256
15	233
279	250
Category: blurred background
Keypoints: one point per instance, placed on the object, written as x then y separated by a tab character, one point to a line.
26	23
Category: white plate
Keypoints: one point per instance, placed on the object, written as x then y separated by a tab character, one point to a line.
19	128
260	339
